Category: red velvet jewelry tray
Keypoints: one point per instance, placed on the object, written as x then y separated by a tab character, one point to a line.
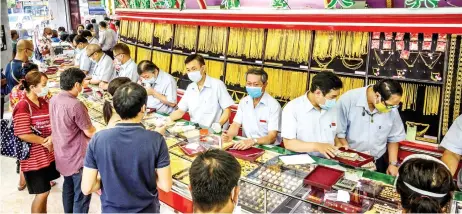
250	154
323	177
51	70
367	158
86	90
192	152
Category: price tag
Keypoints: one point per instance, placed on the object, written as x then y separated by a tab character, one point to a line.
441	46
375	44
386	45
389	36
414	37
414	46
428	37
427	46
258	61
400	45
360	72
222	57
303	66
376	35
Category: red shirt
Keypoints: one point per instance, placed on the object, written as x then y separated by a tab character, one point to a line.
23	120
69	117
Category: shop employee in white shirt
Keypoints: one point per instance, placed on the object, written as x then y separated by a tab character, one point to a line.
85	64
104	70
206	98
127	67
368	121
308	122
452	142
160	86
259	114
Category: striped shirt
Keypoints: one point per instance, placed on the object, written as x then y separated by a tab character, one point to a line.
39	118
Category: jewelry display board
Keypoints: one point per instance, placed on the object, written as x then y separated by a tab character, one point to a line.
419	61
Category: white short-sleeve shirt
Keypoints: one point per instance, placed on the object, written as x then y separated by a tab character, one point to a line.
130	70
452	141
165	84
257	122
104	69
301	121
206	106
85	63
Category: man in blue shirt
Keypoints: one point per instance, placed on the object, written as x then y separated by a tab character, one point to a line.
25	50
452	143
128	162
368	121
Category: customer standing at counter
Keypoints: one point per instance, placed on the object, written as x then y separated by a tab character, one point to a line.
104	70
71	130
206	98
308	122
160	86
25	50
259	114
368	121
452	143
107	39
84	63
132	161
127	67
214	177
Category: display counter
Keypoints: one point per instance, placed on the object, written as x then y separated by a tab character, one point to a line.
268	185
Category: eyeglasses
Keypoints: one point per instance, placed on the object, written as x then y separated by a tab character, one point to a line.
118	55
89	56
388	106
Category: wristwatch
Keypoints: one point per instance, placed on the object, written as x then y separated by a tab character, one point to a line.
394	163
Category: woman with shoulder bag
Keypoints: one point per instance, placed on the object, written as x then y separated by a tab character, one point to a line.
31	112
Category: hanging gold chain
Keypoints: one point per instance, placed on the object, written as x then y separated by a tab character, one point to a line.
448	85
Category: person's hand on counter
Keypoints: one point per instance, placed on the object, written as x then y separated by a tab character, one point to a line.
244	144
327	149
392	170
225	137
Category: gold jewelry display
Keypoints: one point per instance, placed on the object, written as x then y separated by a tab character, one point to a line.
164	32
379	61
432	100
246	42
212	39
132	50
143	54
288	45
178	63
146	31
376	71
132	33
162	60
124	28
323	65
348	82
447	89
436	76
419	133
185	36
433	63
409	97
458	88
214	68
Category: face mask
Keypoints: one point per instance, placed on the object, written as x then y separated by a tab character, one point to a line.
330	103
44	92
195	76
149	81
254	92
382	108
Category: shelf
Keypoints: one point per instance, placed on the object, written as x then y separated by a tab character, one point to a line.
285	67
161	50
340	73
408	80
244	62
206	56
128	42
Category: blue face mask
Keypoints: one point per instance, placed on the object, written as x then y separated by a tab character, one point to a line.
149	81
328	105
254	92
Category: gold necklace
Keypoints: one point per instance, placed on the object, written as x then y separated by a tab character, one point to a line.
411	65
447	89
379	61
323	65
352	66
433	63
458	89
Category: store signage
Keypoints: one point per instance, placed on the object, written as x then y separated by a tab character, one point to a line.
95	8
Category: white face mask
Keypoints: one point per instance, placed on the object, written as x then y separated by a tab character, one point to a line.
195	76
43	92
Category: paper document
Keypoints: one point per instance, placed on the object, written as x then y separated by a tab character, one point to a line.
297	159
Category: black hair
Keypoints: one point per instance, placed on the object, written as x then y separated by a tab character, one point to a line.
129	99
89	27
26	68
117	23
71	37
80	26
86	33
426	175
14	33
197	57
388	87
213	175
259	72
69	77
107	19
326	81
63	37
146	65
80	39
93	21
111	89
61	29
103	24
